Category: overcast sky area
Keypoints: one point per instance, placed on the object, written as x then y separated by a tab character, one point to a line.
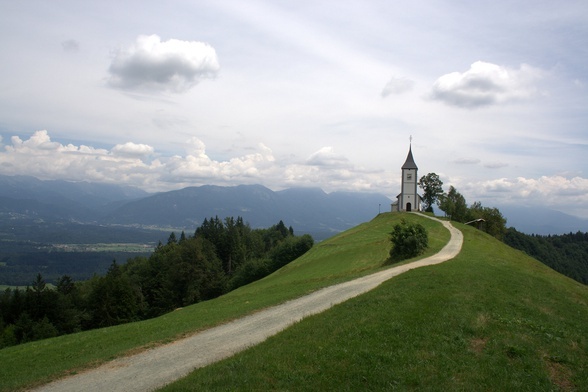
164	95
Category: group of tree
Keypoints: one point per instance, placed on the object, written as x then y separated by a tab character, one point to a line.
567	253
454	205
219	257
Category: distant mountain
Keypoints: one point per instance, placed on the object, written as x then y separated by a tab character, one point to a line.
307	210
57	199
542	221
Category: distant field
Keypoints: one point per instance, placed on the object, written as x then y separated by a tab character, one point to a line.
21	263
101	247
54	249
4	287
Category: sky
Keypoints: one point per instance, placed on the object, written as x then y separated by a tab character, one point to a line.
164	95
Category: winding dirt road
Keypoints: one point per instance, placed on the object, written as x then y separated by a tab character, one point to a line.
162	365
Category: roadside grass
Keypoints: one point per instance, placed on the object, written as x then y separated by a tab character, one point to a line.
491	319
356	252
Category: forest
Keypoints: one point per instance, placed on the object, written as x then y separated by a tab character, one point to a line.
566	253
221	256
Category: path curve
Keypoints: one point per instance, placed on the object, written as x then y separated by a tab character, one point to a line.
152	369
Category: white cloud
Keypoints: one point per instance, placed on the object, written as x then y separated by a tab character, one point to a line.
326	156
132	149
173	65
140	165
556	192
40	157
40	141
397	86
198	166
486	84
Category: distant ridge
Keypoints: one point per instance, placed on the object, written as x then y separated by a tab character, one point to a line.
308	210
57	199
543	221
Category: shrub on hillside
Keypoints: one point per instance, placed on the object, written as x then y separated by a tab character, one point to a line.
408	240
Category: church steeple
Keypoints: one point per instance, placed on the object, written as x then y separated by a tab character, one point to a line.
408	199
409	163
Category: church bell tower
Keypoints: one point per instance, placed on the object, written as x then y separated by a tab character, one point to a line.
408	199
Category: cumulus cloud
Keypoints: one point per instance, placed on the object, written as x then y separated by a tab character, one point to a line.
173	65
197	165
397	86
131	163
486	84
140	165
132	149
545	191
41	157
326	156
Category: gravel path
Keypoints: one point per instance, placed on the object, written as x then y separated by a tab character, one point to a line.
162	365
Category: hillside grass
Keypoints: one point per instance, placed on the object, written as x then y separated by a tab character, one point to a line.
490	319
356	252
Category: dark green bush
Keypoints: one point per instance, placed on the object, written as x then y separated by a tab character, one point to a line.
408	240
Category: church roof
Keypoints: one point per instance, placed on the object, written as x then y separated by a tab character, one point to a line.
409	163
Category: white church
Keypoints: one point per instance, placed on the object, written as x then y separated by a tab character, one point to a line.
408	199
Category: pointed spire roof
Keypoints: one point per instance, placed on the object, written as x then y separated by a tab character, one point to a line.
409	163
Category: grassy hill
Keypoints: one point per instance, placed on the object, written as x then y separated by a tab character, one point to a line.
491	319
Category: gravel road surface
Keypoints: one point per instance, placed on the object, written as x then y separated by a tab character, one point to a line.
162	365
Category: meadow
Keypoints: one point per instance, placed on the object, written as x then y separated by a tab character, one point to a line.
356	252
490	319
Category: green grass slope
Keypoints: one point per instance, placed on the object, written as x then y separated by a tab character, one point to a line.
356	252
492	319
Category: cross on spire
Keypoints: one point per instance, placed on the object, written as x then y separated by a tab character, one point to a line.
410	139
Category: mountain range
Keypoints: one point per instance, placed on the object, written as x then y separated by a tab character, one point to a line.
307	210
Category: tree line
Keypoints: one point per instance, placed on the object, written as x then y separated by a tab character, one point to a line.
221	256
567	253
454	205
